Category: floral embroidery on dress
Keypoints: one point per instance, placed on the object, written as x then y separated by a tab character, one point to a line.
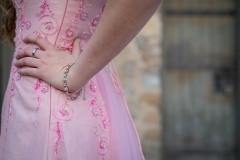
105	123
48	23
59	138
17	75
21	4
98	110
103	146
64	113
97	131
71	30
91	88
94	22
40	86
83	16
44	88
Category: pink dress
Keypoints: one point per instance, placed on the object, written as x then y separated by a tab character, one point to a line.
38	121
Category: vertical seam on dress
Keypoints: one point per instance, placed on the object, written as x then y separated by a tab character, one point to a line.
61	23
51	88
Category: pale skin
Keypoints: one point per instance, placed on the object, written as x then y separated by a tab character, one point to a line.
119	24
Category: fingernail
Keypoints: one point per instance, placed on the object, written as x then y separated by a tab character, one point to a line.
78	40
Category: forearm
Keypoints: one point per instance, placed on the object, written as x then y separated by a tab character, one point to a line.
119	24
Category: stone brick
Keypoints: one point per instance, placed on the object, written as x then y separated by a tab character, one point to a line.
152	118
150	98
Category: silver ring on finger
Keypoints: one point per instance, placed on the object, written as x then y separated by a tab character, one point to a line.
34	51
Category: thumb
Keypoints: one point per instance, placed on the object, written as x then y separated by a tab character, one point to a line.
76	50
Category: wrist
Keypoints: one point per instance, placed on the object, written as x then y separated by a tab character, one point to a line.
66	87
74	82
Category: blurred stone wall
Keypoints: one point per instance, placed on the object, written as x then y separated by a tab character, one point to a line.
138	67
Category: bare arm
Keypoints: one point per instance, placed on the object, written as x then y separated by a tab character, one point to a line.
119	24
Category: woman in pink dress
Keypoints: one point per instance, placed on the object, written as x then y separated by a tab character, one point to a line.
64	100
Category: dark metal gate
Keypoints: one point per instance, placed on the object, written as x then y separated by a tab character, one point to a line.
201	81
6	53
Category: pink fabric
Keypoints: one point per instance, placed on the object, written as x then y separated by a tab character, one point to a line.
38	121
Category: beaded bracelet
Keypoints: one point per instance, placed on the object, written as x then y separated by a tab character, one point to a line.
65	84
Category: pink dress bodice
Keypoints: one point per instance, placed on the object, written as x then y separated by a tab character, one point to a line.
58	21
38	121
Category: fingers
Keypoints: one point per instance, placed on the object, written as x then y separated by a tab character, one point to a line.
76	50
27	52
40	41
27	71
27	61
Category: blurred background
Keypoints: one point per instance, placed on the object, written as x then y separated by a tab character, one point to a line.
181	80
